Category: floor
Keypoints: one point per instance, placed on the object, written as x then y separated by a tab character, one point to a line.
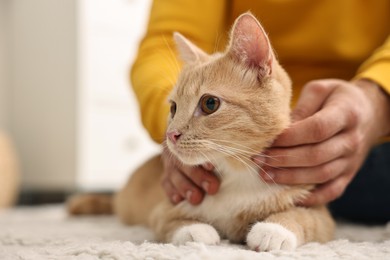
47	232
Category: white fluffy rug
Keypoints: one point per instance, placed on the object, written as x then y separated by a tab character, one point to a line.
48	233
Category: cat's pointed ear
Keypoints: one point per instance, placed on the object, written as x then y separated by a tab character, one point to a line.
189	52
250	44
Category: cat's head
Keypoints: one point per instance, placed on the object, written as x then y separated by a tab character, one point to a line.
230	104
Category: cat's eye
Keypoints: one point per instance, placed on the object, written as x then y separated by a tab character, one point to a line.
209	104
173	109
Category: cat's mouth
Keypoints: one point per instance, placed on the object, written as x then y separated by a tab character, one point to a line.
188	156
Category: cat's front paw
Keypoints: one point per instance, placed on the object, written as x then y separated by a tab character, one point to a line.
270	236
203	233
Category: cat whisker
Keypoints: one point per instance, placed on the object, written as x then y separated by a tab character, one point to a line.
266	173
226	150
238	151
251	168
248	149
235	155
169	79
240	155
259	154
172	53
216	171
217	41
255	152
249	159
235	149
231	151
170	60
173	70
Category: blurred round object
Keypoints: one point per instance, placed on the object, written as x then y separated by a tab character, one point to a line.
9	172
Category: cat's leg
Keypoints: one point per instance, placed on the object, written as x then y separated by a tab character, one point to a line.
289	229
133	203
143	202
195	232
171	225
136	200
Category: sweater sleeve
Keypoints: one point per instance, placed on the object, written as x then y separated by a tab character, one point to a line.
377	67
156	67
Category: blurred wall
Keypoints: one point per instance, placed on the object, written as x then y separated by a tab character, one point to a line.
111	140
65	93
4	5
42	102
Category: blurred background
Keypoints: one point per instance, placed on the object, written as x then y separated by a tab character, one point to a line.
65	95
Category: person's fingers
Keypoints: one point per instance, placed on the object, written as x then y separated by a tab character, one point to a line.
173	195
186	188
314	129
307	175
312	97
327	192
202	178
340	145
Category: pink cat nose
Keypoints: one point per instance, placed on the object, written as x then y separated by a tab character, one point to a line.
173	136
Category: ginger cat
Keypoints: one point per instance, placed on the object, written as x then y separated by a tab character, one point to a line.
225	108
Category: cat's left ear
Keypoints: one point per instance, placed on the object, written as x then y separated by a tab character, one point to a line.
189	52
250	44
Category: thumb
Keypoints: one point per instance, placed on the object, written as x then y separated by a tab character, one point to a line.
312	98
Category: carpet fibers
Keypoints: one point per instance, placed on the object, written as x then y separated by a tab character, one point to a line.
46	232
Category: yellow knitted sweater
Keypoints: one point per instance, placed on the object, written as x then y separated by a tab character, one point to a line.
313	40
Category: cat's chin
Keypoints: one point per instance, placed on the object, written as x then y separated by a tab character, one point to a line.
188	159
191	160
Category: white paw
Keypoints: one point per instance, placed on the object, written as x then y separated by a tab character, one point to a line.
270	236
203	233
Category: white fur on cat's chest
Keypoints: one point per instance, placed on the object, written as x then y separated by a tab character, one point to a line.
239	191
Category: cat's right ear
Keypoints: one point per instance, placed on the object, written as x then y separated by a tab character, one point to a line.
189	52
250	44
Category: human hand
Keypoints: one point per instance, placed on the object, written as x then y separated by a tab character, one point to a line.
335	123
187	182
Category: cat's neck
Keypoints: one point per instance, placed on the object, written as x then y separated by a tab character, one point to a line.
240	173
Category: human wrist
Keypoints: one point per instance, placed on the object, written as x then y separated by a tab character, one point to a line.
380	102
